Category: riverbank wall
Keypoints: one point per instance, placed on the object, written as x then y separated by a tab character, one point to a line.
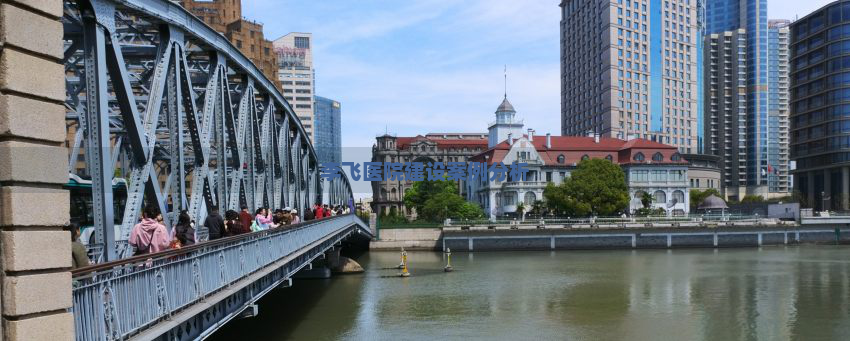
413	239
638	238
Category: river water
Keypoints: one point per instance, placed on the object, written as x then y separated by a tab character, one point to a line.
769	293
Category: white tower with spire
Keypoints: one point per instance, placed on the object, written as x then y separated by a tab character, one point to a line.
505	124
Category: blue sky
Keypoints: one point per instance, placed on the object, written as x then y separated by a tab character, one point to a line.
413	67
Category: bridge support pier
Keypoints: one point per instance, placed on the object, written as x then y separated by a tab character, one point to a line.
36	252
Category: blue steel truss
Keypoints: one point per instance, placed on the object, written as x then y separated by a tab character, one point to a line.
158	98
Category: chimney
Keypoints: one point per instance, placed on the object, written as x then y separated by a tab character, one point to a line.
530	134
510	138
596	138
548	140
590	133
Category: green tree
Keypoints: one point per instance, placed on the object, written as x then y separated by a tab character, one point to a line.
752	198
596	186
418	195
436	200
646	199
449	205
697	196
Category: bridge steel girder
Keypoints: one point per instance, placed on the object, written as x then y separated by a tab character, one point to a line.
167	104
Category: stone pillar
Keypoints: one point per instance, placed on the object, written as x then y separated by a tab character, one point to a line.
810	188
845	188
36	252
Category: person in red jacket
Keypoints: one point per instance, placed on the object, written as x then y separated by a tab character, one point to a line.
320	213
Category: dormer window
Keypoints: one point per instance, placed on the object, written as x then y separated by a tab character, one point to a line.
609	158
676	157
639	157
585	157
561	159
657	157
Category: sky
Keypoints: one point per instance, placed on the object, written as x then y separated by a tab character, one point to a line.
419	66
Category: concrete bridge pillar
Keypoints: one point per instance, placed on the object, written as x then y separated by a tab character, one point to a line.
35	251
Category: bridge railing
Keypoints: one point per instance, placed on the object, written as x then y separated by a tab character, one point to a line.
119	299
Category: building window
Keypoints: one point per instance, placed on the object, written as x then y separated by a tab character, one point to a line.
659	197
561	158
585	157
609	158
530	198
657	157
302	42
679	197
639	157
676	157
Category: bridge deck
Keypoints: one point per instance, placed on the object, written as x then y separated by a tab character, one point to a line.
190	292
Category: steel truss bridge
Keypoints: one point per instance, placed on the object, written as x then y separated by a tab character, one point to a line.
159	99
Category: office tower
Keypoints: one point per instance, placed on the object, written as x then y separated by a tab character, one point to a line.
820	106
297	76
726	106
766	140
779	83
629	69
225	16
328	130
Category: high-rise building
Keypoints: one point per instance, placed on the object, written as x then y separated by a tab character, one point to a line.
760	161
820	106
629	69
726	106
225	16
779	82
297	76
328	130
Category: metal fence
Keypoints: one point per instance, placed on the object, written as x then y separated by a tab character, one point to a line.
119	299
607	220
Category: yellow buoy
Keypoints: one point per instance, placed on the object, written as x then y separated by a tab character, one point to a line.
448	267
404	272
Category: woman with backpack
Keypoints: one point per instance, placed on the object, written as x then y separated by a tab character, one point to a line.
149	236
184	232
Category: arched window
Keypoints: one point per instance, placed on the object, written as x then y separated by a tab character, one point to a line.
529	199
639	194
609	158
676	157
659	197
393	194
585	157
678	197
639	157
562	159
657	157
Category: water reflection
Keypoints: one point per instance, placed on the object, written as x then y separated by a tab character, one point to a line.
776	293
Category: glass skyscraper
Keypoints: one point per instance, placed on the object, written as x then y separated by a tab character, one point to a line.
765	165
820	106
328	130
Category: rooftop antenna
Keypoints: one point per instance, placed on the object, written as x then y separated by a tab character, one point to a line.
506	81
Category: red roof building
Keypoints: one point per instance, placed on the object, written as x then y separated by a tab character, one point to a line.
650	167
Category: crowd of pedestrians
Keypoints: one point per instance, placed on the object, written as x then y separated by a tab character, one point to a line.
151	236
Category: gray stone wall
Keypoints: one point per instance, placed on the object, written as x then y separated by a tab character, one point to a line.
36	282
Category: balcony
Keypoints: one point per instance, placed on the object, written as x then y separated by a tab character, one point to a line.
523	184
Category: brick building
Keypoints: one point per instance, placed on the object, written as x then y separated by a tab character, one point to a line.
225	16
